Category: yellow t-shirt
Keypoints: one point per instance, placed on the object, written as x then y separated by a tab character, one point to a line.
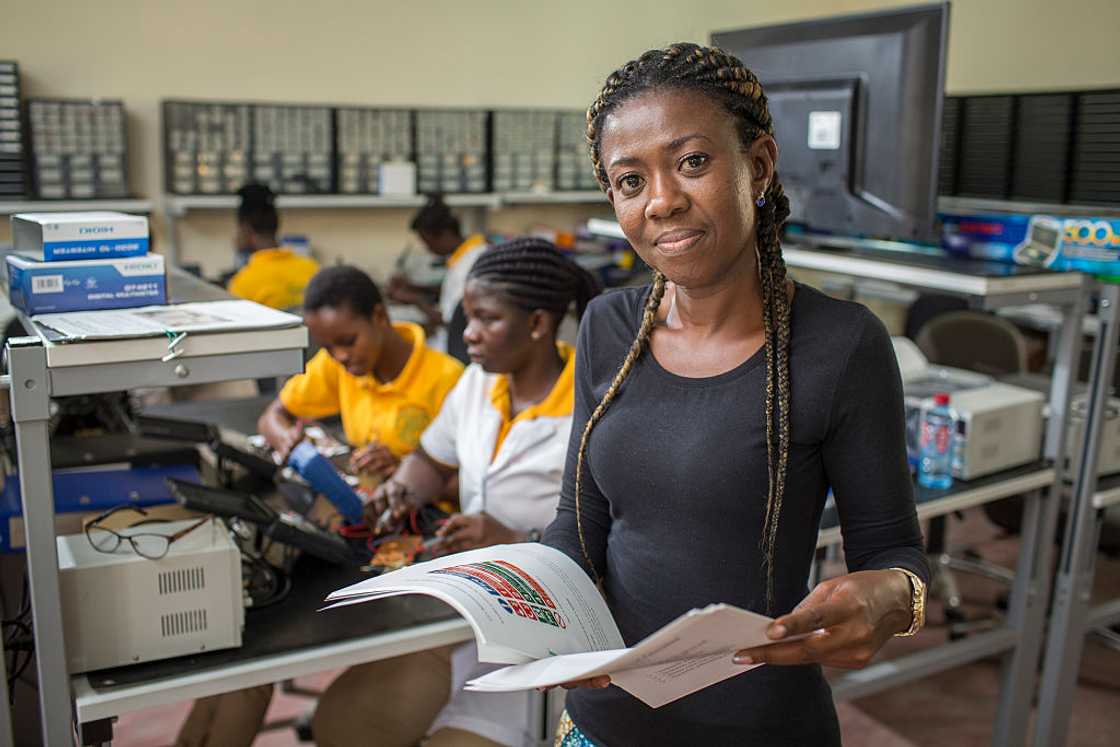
394	413
274	277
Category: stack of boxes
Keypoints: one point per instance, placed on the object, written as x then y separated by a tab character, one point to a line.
573	169
82	262
79	148
12	182
293	149
451	151
207	147
524	144
372	141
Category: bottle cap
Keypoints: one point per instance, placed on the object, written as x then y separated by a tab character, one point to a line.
941	398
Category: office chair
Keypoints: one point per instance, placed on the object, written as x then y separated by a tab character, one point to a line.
977	342
928	306
974	341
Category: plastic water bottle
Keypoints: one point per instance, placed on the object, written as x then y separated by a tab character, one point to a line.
939	425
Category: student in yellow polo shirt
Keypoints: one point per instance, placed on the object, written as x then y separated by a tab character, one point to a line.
387	385
442	234
382	378
273	275
504	430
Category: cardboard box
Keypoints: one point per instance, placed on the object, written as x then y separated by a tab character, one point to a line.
42	287
69	236
1079	244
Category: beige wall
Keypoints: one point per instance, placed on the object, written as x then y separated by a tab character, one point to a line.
460	53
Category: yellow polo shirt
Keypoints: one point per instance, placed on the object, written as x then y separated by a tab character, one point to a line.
274	277
394	413
558	404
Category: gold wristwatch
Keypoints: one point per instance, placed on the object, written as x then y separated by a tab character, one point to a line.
917	603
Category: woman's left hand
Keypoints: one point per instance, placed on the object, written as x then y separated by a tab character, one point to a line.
847	620
471	531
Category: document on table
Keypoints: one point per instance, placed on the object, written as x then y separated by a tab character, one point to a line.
154	321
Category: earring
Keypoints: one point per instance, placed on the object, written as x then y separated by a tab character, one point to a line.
760	201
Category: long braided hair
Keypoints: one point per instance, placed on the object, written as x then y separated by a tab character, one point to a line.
532	274
726	80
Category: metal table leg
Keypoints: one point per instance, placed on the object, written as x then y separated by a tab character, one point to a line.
30	397
1029	594
1073	584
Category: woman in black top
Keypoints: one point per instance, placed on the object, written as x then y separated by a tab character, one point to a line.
713	411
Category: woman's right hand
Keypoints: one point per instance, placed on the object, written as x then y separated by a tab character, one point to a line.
388	506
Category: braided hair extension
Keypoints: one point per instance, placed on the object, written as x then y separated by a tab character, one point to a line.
724	78
534	275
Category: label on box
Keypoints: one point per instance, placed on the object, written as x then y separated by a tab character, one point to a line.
42	287
1090	245
101	248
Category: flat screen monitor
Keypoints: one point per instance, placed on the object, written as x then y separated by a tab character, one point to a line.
856	102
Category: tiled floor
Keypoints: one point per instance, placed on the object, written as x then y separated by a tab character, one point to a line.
155	727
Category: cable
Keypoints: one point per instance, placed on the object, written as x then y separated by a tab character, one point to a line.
21	623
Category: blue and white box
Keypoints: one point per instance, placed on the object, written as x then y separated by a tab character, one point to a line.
56	237
86	285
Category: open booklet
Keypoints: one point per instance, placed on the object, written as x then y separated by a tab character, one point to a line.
533	607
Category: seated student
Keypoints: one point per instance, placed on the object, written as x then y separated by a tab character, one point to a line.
504	428
272	275
386	384
441	233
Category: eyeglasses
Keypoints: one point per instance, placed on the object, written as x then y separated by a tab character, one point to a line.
149	545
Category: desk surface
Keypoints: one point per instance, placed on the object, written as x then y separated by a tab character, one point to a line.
954	275
959	496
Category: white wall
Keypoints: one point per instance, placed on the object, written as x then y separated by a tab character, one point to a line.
481	53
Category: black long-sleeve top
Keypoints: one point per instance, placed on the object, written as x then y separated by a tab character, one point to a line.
674	498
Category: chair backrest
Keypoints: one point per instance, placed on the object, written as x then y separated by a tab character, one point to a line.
927	307
974	341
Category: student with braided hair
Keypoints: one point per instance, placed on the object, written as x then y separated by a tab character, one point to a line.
504	429
713	411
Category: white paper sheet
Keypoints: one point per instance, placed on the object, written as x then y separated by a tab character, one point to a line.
540	604
689	654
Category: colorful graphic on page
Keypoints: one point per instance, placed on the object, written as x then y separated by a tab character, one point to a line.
513	589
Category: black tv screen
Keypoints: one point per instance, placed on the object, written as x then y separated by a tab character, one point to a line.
856	102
